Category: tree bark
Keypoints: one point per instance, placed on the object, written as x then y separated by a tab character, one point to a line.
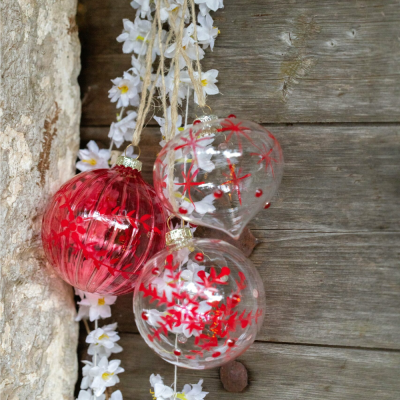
40	113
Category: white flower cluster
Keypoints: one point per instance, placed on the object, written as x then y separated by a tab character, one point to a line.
163	392
100	373
135	38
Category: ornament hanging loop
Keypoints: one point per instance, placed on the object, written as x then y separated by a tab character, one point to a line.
129	145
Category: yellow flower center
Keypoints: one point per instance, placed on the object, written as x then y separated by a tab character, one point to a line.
106	376
91	161
101	302
123	89
204	82
140	38
181	396
181	129
103	336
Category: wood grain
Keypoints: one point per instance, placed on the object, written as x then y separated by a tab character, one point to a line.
278	372
337	178
279	61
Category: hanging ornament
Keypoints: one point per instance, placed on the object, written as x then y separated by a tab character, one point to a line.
102	226
199	302
219	173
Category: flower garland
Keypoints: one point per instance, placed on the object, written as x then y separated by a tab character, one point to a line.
175	84
100	373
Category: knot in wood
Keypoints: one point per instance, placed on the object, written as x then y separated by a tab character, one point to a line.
234	377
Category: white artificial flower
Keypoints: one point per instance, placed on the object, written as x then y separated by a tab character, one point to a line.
116	395
161	391
162	283
87	379
103	341
190	275
194	392
206	33
208	80
154	317
189	46
161	122
172	10
99	305
143	8
135	36
125	90
123	130
202	207
207	5
88	395
92	157
105	375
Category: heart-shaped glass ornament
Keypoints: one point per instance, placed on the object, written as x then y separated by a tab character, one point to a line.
219	173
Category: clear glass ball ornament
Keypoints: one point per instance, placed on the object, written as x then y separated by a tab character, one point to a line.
219	173
199	303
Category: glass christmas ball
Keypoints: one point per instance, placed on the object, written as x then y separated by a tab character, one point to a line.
219	173
102	226
199	303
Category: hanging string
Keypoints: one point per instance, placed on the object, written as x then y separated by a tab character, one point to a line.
162	62
146	83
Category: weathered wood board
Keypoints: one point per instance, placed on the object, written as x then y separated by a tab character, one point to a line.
279	61
324	77
276	372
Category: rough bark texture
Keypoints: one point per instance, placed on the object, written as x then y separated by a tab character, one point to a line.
40	112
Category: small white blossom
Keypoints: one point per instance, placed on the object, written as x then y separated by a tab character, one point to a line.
206	33
161	391
87	379
208	80
143	8
103	341
92	157
99	305
123	130
125	90
202	207
116	395
135	36
88	395
194	392
207	5
105	375
161	122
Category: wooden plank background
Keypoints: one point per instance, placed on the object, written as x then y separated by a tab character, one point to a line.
324	77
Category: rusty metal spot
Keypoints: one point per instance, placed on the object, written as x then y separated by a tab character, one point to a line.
50	131
234	377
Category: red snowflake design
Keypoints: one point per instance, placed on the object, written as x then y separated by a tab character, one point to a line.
265	155
234	179
193	143
188	182
235	129
221	320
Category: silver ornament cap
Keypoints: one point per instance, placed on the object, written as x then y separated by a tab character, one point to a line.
128	162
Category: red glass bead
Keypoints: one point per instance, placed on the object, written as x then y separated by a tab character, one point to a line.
101	227
230	342
216	354
259	193
155	271
267	205
199	257
177	352
218	193
182	210
232	116
236	298
145	316
196	122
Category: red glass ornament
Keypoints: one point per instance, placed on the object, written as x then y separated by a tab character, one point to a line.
101	227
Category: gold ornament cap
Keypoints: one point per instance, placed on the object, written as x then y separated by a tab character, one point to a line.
128	162
179	237
208	128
